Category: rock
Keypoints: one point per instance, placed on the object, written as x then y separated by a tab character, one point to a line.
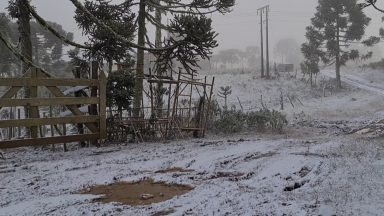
363	131
147	196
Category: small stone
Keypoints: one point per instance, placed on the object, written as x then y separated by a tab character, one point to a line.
146	196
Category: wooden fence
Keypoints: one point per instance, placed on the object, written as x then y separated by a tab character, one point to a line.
35	78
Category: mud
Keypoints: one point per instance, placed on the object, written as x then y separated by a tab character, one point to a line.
137	193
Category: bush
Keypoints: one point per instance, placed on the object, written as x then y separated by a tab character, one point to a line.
233	121
277	121
230	121
257	119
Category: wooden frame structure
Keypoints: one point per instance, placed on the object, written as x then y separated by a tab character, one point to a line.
185	109
35	78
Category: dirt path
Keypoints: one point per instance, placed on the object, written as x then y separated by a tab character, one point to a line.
241	175
356	81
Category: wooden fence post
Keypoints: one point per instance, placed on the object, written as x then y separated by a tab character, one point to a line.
102	105
80	127
34	109
209	107
64	134
19	128
93	110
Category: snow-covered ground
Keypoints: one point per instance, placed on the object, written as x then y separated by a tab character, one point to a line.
315	168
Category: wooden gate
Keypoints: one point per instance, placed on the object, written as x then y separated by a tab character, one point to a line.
32	80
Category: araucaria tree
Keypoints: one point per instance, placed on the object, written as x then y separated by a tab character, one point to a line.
190	35
369	3
105	46
338	24
312	53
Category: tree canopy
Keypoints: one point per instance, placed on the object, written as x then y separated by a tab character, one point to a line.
335	26
105	46
47	49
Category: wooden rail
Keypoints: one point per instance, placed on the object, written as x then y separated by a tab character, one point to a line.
34	78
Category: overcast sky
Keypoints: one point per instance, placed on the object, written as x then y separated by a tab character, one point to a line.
288	19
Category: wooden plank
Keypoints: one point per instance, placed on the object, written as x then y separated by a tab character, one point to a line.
194	83
19	82
209	107
73	108
13	90
47	141
103	106
48	121
48	101
57	93
162	81
34	110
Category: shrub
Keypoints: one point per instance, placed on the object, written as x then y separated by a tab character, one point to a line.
230	121
233	121
277	121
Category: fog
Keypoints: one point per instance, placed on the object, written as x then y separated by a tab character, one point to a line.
237	30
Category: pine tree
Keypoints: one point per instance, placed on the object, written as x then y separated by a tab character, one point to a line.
339	23
371	3
18	9
312	53
6	57
106	47
190	31
191	36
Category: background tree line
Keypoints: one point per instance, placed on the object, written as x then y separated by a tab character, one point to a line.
48	51
286	51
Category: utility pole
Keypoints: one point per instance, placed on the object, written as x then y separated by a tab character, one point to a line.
267	39
260	12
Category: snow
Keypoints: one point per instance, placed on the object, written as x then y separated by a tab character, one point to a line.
83	109
314	168
357	81
74	89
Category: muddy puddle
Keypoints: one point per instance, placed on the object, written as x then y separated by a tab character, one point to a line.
137	193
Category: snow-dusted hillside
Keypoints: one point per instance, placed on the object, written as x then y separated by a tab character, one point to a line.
326	162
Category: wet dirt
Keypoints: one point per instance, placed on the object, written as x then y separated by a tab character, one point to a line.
137	193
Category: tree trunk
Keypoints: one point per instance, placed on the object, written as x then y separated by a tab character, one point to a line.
140	61
311	77
159	88
110	66
26	46
338	78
